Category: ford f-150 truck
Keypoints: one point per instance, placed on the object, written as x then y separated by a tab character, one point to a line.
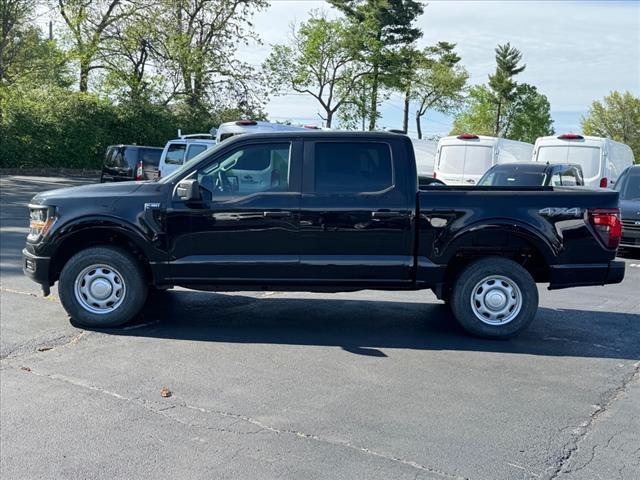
319	211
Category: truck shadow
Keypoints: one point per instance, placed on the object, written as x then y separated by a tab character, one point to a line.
368	327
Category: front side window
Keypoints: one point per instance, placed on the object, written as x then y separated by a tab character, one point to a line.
249	169
346	167
175	154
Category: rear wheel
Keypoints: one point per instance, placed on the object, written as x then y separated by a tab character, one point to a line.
102	287
494	298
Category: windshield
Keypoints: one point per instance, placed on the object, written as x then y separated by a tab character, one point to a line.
188	164
587	157
629	189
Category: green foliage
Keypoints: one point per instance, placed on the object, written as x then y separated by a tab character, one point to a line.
386	27
616	117
502	84
438	81
321	60
55	127
527	117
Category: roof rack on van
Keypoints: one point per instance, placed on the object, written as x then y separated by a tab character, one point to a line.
196	135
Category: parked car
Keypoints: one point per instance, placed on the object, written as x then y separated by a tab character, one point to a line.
130	162
602	160
463	159
230	129
180	150
531	174
328	211
628	185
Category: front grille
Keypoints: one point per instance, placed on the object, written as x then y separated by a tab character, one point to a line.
631	225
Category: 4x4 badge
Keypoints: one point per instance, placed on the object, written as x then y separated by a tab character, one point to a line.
560	212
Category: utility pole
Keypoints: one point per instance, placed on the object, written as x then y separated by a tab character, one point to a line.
50	29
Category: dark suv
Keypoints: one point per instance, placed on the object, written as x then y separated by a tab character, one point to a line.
130	162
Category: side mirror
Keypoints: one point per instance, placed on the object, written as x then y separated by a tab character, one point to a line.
188	190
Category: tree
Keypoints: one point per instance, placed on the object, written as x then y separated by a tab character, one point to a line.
616	117
320	61
196	41
438	82
501	83
387	26
527	116
13	14
88	21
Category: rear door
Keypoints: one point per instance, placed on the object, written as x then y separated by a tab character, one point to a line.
355	214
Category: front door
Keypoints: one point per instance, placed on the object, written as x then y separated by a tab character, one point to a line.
245	229
355	216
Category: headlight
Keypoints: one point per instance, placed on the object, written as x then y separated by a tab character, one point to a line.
41	219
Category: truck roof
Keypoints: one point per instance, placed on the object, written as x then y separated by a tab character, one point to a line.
319	134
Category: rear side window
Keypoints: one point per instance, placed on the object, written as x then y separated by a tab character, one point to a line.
352	167
131	156
195	150
150	157
175	154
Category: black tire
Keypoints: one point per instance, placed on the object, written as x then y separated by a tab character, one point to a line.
494	282
127	275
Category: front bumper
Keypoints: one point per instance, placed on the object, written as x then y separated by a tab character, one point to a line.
37	269
584	275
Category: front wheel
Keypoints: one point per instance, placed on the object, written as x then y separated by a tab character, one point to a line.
494	298
102	287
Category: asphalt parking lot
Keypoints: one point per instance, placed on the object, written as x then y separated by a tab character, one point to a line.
362	385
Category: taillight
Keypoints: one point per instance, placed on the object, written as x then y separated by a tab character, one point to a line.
140	171
467	136
604	183
606	223
434	174
246	122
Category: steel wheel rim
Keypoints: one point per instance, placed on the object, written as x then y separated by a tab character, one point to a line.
496	300
100	289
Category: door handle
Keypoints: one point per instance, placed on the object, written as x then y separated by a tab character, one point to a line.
276	214
384	214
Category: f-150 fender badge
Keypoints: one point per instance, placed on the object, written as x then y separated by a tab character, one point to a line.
148	206
561	212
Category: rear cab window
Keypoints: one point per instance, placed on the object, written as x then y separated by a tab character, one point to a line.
352	167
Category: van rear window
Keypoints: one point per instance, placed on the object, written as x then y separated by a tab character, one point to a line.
587	157
175	154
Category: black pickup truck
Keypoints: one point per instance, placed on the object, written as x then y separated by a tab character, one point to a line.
319	211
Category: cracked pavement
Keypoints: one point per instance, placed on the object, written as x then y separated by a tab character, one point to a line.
294	385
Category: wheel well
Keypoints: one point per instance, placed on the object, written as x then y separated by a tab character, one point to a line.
94	237
498	244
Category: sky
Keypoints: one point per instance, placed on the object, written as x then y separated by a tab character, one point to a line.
575	51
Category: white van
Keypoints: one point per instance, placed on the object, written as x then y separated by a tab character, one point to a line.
229	129
425	151
177	152
463	159
602	160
